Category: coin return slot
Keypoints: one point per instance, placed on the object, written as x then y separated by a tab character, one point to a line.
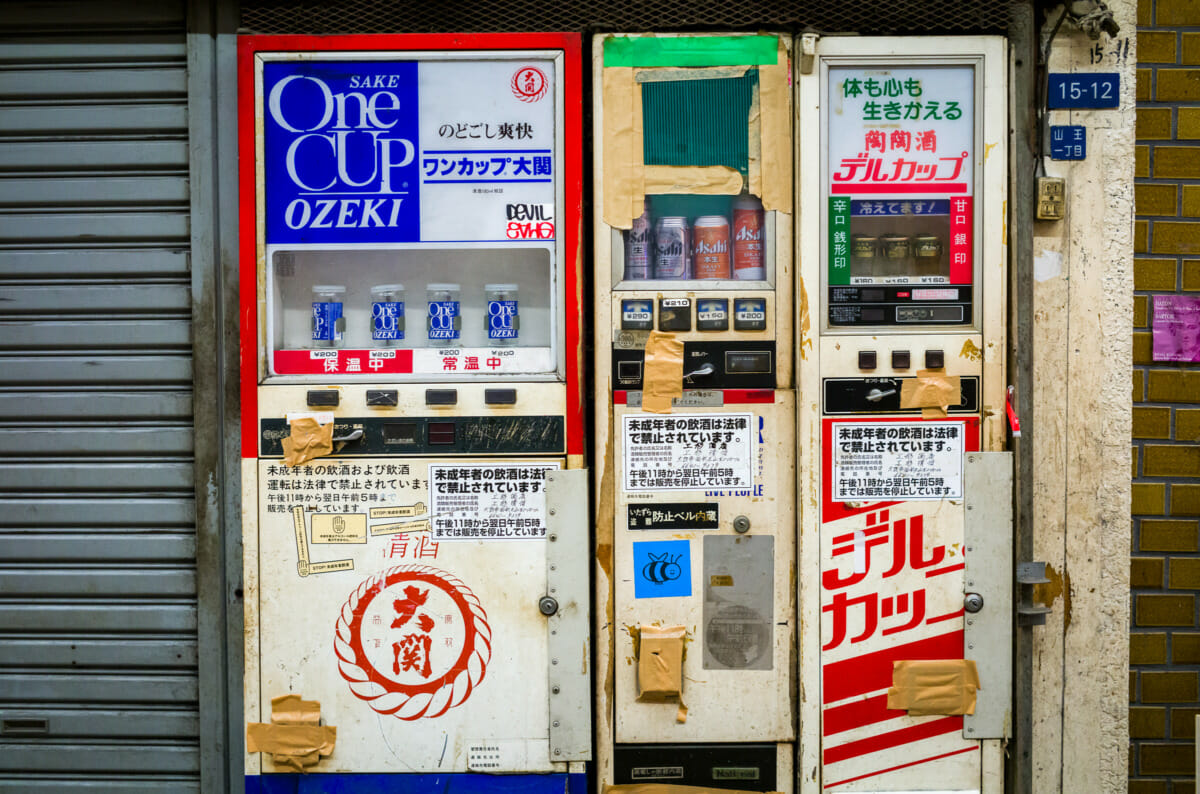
400	433
441	432
747	362
629	370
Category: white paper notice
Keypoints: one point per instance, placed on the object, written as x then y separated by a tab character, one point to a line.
687	452
897	461
489	501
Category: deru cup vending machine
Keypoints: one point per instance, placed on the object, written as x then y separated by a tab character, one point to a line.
695	412
415	528
906	570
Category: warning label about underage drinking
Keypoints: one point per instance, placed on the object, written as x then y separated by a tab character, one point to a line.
897	461
687	452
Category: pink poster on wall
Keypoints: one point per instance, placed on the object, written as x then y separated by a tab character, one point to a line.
1176	327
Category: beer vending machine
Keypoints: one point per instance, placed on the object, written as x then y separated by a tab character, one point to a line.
905	568
414	502
695	409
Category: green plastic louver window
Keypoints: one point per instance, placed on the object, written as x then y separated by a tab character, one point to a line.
698	122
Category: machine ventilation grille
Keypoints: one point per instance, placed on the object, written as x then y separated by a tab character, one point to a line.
460	16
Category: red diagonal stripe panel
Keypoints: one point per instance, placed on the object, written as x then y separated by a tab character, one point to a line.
873	744
873	671
857	714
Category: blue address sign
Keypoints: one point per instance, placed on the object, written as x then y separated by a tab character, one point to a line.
1089	90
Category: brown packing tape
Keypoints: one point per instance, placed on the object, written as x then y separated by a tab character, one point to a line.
662	377
930	389
774	89
293	710
668	75
660	664
754	145
309	439
637	198
619	145
708	180
293	740
933	686
666	788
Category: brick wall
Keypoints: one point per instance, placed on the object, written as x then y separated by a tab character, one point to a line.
1164	649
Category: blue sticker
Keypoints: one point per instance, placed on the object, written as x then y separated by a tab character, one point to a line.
662	569
1068	142
340	151
1101	90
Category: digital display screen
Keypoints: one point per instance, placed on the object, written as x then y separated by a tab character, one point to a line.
748	362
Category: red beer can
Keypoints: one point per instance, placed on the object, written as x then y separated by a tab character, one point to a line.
710	247
748	239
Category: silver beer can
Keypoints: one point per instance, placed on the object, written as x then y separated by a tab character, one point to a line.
671	247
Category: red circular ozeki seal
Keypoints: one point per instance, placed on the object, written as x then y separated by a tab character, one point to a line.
413	641
529	84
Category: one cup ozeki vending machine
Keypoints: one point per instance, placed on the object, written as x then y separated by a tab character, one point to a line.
414	546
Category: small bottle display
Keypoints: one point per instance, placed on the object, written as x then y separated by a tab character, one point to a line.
639	247
444	323
671	247
863	249
328	324
748	238
927	252
896	251
503	315
710	247
387	314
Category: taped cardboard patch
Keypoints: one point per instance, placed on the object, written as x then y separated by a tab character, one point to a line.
931	390
708	180
294	738
660	663
934	687
662	376
622	148
309	439
775	129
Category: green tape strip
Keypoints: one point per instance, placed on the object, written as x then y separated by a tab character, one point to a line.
691	51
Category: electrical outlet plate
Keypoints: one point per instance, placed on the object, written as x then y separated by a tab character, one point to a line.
1051	198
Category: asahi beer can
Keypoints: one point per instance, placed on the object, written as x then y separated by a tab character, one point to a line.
328	323
639	248
387	314
671	246
503	317
710	247
748	239
444	323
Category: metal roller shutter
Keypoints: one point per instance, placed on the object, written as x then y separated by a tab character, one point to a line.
98	659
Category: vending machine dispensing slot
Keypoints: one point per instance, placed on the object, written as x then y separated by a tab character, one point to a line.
695	531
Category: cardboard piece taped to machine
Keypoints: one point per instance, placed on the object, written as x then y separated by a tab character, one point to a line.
660	663
294	738
933	687
309	439
933	391
662	379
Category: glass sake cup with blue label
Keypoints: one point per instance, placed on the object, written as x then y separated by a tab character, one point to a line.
503	317
328	323
387	315
444	320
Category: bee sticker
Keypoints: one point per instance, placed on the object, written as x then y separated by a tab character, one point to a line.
662	569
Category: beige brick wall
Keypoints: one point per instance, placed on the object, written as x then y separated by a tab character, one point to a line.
1164	650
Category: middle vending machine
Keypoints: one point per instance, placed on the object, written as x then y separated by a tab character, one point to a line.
695	411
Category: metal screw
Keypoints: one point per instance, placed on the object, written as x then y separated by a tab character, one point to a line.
553	511
553	661
558	752
554	567
553	538
555	689
556	723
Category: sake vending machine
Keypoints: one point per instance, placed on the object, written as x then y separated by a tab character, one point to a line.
414	503
695	476
906	539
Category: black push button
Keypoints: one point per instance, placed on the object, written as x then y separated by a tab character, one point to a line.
712	314
323	398
866	359
441	396
441	432
500	396
901	359
637	315
935	359
675	314
382	398
750	314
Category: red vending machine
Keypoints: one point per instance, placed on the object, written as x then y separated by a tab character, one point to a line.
414	503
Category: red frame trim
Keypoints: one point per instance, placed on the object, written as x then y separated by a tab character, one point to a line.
572	46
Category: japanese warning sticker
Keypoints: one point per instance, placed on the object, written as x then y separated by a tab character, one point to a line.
489	502
688	452
897	460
